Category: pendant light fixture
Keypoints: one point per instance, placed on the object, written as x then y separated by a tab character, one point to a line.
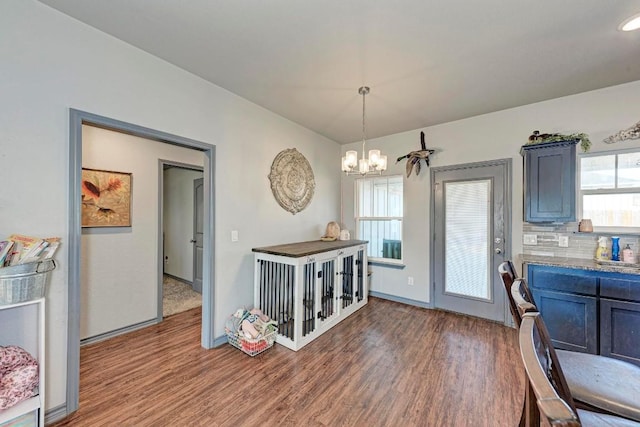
375	164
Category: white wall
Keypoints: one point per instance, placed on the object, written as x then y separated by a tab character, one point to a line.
491	136
178	222
119	280
51	63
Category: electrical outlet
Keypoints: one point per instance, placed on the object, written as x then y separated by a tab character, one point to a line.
410	281
530	239
563	241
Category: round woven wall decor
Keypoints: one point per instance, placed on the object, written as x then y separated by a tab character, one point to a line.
292	180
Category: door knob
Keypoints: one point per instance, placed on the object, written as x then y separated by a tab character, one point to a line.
498	251
192	241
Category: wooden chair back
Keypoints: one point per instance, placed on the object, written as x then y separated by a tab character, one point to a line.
508	275
530	415
522	298
544	372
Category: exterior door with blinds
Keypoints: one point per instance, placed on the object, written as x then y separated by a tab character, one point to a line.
471	222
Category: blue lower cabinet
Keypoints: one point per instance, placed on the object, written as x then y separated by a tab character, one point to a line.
620	330
589	311
571	320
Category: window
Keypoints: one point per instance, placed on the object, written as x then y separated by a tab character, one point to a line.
379	216
610	190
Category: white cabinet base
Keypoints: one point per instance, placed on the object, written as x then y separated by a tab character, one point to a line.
13	319
309	287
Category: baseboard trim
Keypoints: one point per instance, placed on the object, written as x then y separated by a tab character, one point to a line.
220	341
56	414
179	279
402	300
117	332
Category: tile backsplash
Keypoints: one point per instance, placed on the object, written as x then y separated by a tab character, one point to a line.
581	245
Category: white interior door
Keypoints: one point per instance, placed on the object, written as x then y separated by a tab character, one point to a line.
471	203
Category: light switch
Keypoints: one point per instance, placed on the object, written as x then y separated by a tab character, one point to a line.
234	235
530	239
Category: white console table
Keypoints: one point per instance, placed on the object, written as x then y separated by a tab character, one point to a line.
309	287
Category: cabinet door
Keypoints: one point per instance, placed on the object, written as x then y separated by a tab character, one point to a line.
348	288
550	184
308	317
361	292
274	293
571	319
327	299
620	330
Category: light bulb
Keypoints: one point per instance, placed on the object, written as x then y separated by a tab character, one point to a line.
345	164
374	157
364	166
382	164
352	158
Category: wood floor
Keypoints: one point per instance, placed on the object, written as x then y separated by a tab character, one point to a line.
389	364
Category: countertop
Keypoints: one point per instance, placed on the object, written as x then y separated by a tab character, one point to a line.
300	249
579	263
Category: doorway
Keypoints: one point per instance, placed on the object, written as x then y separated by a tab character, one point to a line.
77	120
471	222
180	287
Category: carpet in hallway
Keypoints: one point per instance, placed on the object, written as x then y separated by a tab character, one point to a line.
178	296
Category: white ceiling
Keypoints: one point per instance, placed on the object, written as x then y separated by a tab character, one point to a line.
426	61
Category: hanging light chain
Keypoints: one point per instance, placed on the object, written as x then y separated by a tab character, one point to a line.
364	137
364	90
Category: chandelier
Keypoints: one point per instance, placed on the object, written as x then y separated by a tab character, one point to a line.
375	164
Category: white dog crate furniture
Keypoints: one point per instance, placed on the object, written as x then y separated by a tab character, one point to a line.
309	287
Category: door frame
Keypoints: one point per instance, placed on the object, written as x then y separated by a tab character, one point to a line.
508	213
77	118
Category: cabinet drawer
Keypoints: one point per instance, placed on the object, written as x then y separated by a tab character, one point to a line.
562	280
571	319
626	289
620	330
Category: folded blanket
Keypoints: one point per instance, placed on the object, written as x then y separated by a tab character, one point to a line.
18	375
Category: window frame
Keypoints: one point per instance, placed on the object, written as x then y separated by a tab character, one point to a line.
627	190
358	219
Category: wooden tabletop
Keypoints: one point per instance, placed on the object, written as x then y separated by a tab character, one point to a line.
300	249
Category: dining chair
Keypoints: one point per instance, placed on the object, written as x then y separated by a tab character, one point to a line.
545	374
595	381
530	414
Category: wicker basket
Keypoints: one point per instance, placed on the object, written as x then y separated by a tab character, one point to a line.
252	347
25	282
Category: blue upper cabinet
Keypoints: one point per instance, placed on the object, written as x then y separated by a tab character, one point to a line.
550	181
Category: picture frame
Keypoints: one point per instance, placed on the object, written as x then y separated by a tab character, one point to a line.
106	198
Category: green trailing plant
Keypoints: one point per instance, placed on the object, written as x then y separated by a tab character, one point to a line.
538	138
